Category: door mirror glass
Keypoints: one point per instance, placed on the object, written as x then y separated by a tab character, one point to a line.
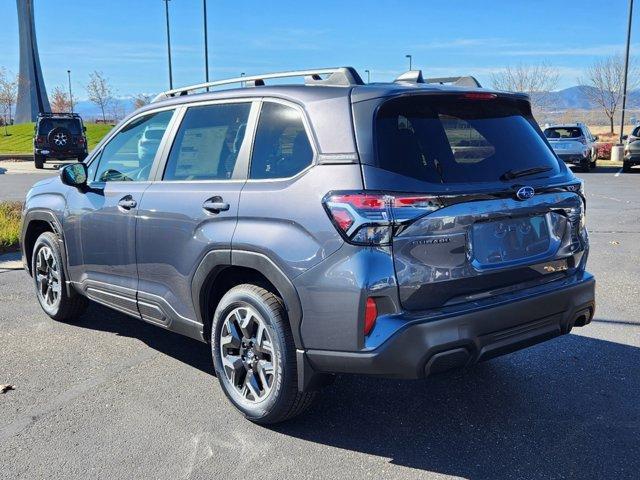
74	175
595	137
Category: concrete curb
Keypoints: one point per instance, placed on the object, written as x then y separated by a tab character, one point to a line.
10	261
17	157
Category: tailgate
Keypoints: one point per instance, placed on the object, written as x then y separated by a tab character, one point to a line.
470	250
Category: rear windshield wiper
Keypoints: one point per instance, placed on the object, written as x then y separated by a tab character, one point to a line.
511	174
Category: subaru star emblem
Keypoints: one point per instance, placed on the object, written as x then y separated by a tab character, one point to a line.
525	193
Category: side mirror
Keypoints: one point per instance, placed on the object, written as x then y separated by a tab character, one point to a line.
84	129
74	175
595	137
624	137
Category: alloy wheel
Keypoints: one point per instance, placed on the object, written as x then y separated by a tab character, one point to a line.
48	277
248	354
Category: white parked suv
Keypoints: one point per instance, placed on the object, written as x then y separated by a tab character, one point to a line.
574	144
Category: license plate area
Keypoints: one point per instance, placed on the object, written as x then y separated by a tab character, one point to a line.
510	241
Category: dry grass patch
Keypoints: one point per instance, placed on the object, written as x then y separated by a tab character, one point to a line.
9	225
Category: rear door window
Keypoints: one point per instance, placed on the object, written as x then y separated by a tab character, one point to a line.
208	142
452	139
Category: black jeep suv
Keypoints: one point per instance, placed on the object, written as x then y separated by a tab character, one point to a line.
60	136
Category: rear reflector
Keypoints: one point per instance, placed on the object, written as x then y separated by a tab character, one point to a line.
373	218
370	315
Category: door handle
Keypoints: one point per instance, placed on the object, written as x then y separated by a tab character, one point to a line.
215	205
127	202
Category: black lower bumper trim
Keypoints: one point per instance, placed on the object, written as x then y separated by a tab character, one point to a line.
429	347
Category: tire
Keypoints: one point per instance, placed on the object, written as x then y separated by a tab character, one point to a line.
39	161
82	157
59	138
594	159
586	167
47	258
265	328
626	167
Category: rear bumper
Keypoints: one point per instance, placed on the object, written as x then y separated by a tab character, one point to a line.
573	158
426	347
632	159
61	155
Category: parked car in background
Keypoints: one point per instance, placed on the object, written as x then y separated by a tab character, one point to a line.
60	136
574	144
304	230
631	150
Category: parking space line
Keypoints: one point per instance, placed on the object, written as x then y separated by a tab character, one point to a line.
618	173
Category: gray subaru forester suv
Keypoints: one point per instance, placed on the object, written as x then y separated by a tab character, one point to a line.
305	230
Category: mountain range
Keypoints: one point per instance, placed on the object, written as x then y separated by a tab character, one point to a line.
572	98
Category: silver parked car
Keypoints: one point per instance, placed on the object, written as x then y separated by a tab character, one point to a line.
574	144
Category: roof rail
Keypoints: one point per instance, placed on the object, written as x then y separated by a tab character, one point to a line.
339	76
468	81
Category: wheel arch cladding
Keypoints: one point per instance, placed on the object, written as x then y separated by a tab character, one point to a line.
233	267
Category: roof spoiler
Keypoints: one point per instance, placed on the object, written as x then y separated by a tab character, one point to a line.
415	76
339	76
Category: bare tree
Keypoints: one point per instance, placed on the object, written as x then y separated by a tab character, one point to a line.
8	95
604	83
60	101
141	99
116	110
99	91
536	80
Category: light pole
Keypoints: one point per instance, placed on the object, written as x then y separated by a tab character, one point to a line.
70	96
166	12
242	83
410	57
368	76
626	70
206	44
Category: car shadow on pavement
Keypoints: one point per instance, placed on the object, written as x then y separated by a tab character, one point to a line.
568	408
184	349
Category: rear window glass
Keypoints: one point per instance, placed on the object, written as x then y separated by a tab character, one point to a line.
562	132
448	139
49	124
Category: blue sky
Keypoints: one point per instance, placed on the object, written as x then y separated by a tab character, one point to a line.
126	39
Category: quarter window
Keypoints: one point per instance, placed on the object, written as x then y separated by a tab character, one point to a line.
208	142
129	154
281	148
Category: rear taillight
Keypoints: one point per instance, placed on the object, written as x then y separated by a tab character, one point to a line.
80	140
40	139
373	218
370	315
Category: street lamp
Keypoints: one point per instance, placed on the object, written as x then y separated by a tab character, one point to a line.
368	76
166	12
410	57
242	83
626	70
70	96
206	44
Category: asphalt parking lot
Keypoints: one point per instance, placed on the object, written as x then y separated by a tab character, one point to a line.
111	397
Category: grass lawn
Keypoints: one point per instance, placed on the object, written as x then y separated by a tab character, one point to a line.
20	138
9	225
